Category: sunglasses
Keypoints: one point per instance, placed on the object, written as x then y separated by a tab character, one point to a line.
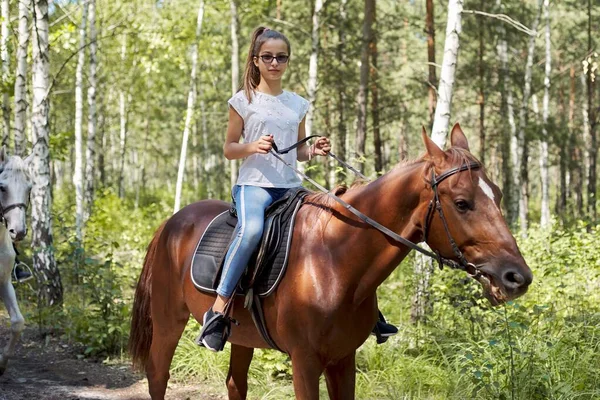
268	58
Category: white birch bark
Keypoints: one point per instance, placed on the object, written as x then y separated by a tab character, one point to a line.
49	283
21	78
78	169
123	125
439	132
521	161
363	88
5	71
545	217
90	151
423	268
190	109
313	66
235	73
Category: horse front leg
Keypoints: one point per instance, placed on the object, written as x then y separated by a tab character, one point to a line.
341	378
17	322
306	370
237	378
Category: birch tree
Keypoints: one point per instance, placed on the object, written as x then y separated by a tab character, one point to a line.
78	169
5	71
123	123
363	94
50	289
21	78
421	304
591	118
522	154
235	71
441	120
430	29
545	217
313	66
90	151
190	109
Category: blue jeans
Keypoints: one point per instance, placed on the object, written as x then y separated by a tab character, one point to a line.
250	203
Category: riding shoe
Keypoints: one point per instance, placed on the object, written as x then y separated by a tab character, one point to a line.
382	330
215	331
21	274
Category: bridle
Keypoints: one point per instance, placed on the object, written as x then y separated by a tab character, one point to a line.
434	205
4	210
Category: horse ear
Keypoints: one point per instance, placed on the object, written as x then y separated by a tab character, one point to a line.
3	156
458	138
436	154
28	160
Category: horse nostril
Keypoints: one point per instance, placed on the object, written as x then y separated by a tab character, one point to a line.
513	279
12	231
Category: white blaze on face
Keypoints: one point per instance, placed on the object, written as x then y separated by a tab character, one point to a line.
487	190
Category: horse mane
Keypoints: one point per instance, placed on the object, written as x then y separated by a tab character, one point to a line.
456	156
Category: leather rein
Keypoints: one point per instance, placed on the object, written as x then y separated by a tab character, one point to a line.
434	206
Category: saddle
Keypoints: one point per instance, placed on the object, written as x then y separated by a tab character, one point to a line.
268	263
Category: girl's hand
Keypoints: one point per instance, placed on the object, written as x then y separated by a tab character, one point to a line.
263	145
321	147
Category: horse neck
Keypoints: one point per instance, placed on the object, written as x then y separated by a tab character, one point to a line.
395	201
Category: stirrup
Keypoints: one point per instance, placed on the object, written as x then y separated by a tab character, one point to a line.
14	273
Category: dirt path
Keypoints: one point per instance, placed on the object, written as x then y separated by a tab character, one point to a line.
51	370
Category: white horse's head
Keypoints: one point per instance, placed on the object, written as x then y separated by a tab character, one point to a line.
15	186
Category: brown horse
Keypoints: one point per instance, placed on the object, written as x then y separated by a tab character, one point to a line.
326	306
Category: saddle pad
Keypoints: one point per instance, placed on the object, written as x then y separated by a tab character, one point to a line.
213	246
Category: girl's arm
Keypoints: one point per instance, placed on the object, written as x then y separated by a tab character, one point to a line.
233	149
321	147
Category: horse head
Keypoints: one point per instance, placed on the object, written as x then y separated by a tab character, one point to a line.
470	206
15	187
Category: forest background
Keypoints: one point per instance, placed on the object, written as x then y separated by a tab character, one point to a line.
124	104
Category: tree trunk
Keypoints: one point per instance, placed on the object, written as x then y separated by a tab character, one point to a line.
190	109
508	135
90	151
123	124
481	95
576	162
340	144
363	94
587	142
21	78
235	73
5	72
78	169
545	217
430	29
521	167
421	304
593	148
374	80
311	87
50	291
439	131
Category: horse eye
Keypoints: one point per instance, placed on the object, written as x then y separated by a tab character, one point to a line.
2	188
462	205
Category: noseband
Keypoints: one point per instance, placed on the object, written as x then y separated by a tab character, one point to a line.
4	210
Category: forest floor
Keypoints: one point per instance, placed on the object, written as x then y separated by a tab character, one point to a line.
50	369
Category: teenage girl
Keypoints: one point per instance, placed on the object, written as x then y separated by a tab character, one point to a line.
262	113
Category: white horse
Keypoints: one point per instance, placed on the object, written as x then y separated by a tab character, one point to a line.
15	186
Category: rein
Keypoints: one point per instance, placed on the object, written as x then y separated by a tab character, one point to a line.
434	205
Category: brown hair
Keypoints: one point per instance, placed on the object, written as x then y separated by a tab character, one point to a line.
251	72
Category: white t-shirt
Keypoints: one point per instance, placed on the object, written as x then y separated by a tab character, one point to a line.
279	116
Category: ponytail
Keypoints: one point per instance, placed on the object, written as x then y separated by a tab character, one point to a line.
251	77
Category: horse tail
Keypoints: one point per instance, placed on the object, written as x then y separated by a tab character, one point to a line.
140	337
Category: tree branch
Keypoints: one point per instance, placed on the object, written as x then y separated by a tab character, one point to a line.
504	18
